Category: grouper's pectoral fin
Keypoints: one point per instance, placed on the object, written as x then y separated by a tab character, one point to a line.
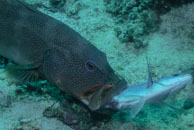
23	73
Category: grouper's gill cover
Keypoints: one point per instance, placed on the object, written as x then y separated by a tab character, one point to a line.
32	39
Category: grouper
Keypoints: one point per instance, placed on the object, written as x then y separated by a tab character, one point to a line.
42	47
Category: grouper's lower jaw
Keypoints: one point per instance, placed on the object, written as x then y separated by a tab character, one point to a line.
92	98
103	94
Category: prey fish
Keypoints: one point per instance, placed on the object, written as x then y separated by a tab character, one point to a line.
134	97
43	47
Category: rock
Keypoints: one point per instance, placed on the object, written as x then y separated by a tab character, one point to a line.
57	3
72	8
70	120
188	104
24	121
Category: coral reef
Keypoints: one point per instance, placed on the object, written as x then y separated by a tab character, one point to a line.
70	7
137	18
57	3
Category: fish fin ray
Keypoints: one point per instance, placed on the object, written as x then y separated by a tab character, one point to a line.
135	109
168	105
22	73
150	80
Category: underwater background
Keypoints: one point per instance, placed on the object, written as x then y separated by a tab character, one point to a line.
127	31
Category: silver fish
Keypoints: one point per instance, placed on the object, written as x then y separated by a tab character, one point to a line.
134	97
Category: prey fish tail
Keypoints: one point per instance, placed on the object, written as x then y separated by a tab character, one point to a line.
41	46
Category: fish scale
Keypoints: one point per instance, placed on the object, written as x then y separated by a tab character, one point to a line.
43	47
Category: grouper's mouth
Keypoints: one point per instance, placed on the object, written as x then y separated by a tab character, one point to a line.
86	97
100	94
98	86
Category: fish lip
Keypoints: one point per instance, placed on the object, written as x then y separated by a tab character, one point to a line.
100	85
106	86
92	90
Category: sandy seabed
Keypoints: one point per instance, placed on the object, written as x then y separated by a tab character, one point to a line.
168	52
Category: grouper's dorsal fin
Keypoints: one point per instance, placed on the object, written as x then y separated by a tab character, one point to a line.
25	5
23	73
22	4
150	81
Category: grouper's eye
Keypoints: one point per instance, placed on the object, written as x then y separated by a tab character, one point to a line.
91	66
